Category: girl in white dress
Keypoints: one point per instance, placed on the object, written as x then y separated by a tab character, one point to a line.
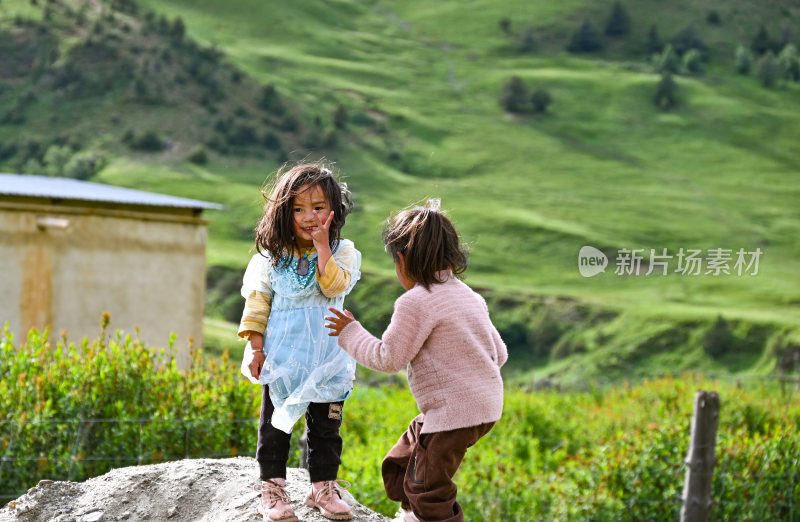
302	267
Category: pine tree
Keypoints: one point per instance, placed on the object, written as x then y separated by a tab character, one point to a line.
768	70
789	63
654	44
665	97
540	100
668	62
761	42
527	41
744	60
693	62
586	39
619	23
515	95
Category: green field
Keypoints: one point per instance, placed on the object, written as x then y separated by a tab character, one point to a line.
604	167
602	454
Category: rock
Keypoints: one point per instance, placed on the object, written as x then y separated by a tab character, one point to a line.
186	490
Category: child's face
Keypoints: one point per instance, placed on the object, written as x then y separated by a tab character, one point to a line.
400	269
304	220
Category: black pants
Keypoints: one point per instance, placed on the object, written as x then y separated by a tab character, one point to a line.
324	442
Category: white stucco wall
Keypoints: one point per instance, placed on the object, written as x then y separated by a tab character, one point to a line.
147	269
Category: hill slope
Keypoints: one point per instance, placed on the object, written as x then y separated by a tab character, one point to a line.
604	167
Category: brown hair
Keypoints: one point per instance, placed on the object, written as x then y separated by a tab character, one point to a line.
428	241
275	232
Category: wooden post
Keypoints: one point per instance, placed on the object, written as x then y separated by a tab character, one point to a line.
701	459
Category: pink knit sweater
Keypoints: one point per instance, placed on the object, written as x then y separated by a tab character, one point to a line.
452	350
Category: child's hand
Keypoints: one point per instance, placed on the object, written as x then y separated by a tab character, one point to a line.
319	235
340	321
256	364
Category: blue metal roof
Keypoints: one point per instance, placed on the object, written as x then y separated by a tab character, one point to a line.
72	189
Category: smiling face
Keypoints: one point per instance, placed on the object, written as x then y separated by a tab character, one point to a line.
304	221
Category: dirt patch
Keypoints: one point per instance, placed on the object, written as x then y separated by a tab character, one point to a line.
201	489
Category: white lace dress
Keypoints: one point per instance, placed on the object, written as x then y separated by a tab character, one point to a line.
303	363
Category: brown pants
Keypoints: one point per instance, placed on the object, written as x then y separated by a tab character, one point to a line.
418	471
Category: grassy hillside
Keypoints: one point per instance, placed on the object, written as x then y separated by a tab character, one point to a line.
604	167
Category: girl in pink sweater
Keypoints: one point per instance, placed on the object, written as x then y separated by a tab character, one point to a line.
441	332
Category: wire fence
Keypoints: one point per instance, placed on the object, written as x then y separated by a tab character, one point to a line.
753	491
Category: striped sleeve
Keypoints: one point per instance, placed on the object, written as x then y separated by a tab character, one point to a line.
341	271
257	306
335	280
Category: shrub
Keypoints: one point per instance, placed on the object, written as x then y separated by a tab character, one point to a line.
526	43
687	39
713	18
668	61
270	100
84	165
514	97
505	25
744	60
586	39
762	42
340	117
789	63
540	100
718	339
198	155
654	44
666	90
768	70
55	159
271	140
149	141
619	23
693	62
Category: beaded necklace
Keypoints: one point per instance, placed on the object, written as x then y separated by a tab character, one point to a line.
302	270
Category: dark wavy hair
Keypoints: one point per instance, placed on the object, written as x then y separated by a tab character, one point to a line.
428	241
275	232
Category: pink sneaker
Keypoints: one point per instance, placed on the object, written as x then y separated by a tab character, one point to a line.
275	502
328	499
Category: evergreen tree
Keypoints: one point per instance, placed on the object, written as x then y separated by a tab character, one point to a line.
718	339
761	42
527	41
768	69
666	90
619	23
340	116
515	95
789	63
586	39
654	44
668	62
693	62
686	39
744	60
540	100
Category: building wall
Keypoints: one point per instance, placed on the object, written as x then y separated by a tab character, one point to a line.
64	267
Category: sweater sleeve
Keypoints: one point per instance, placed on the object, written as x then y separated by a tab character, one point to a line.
400	343
341	271
256	313
500	347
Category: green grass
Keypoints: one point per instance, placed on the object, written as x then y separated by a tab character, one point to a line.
605	167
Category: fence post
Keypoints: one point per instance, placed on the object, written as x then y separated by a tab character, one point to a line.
701	459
